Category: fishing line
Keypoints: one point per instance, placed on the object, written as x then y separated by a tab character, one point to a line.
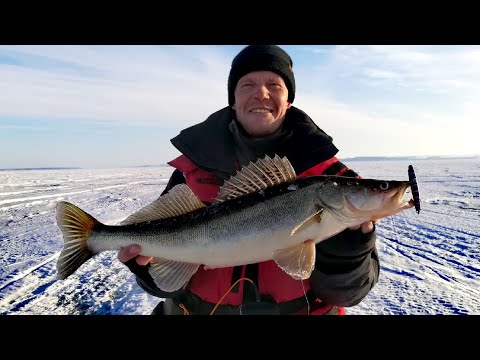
303	287
306	298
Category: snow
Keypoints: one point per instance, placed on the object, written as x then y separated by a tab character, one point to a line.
429	261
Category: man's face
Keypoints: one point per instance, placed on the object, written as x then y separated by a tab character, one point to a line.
261	101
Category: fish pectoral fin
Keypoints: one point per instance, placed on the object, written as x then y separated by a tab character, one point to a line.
314	219
171	275
297	261
178	201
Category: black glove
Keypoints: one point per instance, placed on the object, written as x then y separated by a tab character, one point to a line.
346	268
342	252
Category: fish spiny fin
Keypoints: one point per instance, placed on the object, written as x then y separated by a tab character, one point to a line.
257	176
76	226
178	201
171	275
297	261
312	220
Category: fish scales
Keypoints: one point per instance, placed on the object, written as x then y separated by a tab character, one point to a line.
262	213
259	222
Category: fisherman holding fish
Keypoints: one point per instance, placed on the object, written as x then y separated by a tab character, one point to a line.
260	121
259	215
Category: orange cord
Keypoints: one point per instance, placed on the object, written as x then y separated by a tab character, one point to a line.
185	311
231	287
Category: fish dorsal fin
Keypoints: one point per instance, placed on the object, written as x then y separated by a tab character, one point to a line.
297	261
256	176
171	275
178	201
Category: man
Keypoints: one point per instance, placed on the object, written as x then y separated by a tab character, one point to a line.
260	120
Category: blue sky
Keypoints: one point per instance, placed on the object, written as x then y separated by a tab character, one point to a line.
113	106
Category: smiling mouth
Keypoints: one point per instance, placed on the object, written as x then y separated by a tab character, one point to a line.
261	111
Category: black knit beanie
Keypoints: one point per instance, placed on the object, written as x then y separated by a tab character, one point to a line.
261	58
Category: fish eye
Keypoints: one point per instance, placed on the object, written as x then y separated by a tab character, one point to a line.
384	186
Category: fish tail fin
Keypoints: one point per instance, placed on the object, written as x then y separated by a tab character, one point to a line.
76	226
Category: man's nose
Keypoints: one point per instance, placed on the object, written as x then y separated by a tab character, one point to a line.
261	92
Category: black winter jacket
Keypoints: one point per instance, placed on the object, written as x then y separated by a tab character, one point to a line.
347	265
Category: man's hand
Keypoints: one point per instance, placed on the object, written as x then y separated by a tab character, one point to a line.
131	251
367	227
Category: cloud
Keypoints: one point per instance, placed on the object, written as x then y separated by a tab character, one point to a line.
137	84
383	131
431	68
373	100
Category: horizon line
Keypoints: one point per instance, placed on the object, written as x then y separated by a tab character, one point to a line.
355	158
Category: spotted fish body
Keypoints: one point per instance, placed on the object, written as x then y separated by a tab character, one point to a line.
262	213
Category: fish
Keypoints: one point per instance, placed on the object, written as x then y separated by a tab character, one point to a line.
263	212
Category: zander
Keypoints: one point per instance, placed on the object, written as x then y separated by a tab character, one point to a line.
263	212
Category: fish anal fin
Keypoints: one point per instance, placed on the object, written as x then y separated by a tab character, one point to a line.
311	220
297	261
257	176
171	275
178	201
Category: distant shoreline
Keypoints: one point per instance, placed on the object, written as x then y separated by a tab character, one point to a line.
395	158
80	168
41	168
358	158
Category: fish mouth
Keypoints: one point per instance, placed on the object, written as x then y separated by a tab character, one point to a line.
397	201
399	195
392	202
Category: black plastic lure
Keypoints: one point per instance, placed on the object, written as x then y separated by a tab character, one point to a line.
414	187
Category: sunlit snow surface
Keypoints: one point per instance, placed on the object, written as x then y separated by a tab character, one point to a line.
429	261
